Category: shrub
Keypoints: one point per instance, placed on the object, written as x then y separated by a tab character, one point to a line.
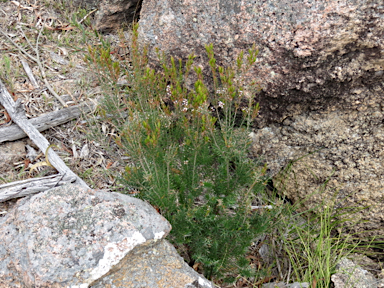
189	151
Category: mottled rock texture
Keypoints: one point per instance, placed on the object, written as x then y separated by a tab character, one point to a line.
350	275
321	67
111	14
172	270
73	237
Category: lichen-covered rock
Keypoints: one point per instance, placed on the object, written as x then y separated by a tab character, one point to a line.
72	237
321	69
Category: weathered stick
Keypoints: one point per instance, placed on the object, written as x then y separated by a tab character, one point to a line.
22	50
16	111
53	92
31	186
28	70
45	121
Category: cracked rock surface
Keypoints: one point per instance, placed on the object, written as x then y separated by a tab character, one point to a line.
73	237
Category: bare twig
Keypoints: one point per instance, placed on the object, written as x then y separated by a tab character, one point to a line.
86	16
28	70
277	259
18	47
37	60
19	6
23	51
16	111
26	38
289	271
43	72
30	45
262	207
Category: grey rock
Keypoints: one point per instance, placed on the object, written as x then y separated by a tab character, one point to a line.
73	237
162	257
320	66
350	275
298	285
265	253
111	14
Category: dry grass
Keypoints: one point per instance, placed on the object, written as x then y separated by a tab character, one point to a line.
61	48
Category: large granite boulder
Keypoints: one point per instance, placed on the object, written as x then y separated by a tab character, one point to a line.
73	237
321	69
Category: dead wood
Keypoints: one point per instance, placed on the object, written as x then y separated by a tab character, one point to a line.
31	186
16	111
28	70
45	121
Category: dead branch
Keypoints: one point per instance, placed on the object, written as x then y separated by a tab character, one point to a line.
45	121
86	16
30	75
28	70
31	186
16	111
37	60
18	47
22	50
53	92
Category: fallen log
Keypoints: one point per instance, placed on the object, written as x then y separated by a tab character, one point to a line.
45	121
27	187
16	112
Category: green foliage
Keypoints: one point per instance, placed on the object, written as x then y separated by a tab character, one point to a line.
188	147
76	20
8	72
315	240
6	64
